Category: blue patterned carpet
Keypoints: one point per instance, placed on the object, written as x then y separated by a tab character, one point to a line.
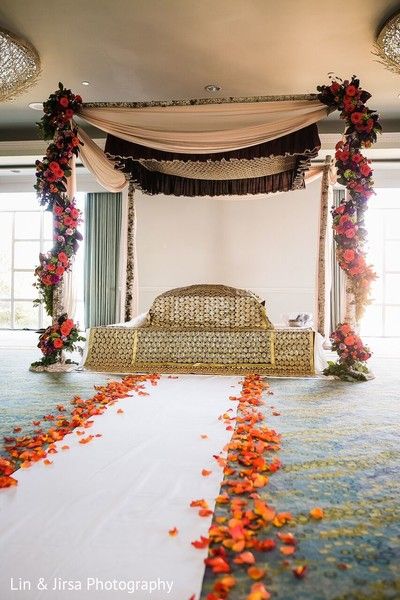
27	396
340	450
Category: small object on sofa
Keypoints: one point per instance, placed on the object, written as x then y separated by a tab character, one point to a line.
302	320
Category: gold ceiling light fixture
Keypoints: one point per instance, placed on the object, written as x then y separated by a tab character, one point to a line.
387	46
19	65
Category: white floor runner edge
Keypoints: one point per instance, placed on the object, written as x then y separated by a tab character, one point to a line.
103	510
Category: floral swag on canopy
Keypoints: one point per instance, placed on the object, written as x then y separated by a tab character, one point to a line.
354	172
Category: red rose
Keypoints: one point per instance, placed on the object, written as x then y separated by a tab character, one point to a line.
365	170
351	90
65	329
78	99
54	166
350	233
356	117
62	257
335	87
58	343
58	210
357	157
69	113
345	155
64	101
349	340
60	271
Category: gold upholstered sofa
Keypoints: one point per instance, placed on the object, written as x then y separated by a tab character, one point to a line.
208	329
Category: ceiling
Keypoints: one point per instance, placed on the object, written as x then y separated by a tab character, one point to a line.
170	49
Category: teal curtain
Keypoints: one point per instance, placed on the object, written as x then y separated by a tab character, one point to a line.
338	283
103	220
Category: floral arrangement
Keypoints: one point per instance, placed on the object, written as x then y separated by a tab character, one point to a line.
354	172
352	354
61	335
52	171
59	259
51	187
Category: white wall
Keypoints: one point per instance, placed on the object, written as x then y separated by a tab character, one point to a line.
267	244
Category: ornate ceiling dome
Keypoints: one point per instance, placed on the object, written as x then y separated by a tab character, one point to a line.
19	65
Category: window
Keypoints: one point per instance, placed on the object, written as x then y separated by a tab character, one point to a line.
382	317
27	229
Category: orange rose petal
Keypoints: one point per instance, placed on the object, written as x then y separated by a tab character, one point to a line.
206	473
86	440
287	550
224	585
258	592
245	558
199	503
300	571
173	532
201	543
120	411
317	513
287	538
204	436
6	482
256	573
47	462
205	512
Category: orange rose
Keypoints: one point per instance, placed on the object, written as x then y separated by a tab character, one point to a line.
58	343
345	328
349	340
349	255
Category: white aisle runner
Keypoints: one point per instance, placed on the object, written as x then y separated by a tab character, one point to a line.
103	510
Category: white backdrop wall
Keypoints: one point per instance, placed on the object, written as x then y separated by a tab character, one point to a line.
267	244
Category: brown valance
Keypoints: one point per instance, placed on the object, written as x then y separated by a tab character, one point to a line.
274	166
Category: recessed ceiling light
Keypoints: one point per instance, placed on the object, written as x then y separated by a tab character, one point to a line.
212	87
85	83
36	105
15	170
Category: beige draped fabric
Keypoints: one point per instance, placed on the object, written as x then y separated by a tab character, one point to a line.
197	129
99	165
206	128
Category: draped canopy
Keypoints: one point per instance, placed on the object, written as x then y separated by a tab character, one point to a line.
204	132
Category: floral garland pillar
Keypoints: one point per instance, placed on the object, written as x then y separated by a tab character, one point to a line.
55	186
355	173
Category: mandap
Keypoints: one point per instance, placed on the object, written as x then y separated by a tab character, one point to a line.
210	147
